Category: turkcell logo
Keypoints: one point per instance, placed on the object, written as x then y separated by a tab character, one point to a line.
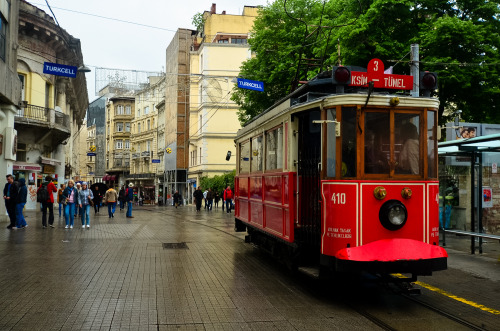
251	84
59	69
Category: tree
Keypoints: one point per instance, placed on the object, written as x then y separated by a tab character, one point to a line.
458	40
218	183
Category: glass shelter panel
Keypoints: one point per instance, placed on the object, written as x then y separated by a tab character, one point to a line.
377	148
407	143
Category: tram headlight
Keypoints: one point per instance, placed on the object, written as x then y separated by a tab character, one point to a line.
393	215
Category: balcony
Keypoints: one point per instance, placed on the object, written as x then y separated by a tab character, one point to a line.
48	122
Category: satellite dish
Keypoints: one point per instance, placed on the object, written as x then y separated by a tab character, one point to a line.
213	89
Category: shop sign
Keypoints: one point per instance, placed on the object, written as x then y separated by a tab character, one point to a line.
49	169
27	167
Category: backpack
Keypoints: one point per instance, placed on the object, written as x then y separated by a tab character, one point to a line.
42	195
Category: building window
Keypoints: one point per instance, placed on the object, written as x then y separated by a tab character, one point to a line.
128	110
138	127
22	78
119	144
200	124
242	41
127	144
119	127
21	152
3	37
149	125
148	145
127	127
200	155
223	41
47	152
146	110
120	110
138	112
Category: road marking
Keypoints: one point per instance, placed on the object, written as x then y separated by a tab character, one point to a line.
454	297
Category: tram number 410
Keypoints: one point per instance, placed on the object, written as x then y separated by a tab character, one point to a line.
338	198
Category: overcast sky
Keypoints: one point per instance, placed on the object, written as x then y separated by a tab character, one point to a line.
114	44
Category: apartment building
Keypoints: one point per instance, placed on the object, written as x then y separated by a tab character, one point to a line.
52	107
144	140
120	112
215	60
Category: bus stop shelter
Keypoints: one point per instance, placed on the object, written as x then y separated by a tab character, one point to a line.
473	150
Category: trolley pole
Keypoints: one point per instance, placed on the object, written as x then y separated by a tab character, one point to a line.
415	69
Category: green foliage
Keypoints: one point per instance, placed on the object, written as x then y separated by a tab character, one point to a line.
458	39
199	22
218	183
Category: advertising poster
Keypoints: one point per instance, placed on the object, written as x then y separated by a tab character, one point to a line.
487	197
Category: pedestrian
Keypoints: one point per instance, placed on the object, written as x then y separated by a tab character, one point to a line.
129	196
205	198
10	192
198	197
217	198
70	195
121	197
48	204
78	210
177	199
110	198
22	197
85	197
59	194
228	197
97	199
223	203
210	199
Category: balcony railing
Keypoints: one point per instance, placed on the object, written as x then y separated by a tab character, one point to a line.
34	113
43	114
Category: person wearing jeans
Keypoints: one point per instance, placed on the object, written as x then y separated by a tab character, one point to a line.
70	194
59	202
85	195
21	201
49	204
110	198
228	197
129	196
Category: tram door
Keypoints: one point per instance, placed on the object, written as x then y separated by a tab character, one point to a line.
308	177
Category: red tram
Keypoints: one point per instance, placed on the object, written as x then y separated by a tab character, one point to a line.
342	174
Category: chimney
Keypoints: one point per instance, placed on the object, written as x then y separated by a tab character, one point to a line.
212	10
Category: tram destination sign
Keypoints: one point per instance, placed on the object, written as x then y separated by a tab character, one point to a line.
375	74
251	84
59	69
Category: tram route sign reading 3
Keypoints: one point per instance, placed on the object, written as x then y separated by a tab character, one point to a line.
375	73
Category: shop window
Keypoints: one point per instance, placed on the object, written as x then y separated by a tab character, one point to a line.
256	163
274	149
245	157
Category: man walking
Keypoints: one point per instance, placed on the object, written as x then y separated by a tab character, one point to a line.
198	196
121	198
177	198
129	196
210	199
48	204
110	198
10	196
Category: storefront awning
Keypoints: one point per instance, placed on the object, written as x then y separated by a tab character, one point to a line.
46	160
105	177
27	166
113	177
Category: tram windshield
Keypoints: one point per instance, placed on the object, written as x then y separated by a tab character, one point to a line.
394	143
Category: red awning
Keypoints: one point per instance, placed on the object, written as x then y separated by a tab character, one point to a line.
112	177
105	178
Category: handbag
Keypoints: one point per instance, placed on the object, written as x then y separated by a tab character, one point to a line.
65	201
91	202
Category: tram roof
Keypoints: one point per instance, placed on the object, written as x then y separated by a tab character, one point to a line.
488	143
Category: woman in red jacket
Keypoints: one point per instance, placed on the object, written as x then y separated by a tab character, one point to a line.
228	197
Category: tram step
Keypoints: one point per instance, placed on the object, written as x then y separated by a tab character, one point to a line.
309	271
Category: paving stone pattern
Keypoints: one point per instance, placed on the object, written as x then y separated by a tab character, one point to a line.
117	276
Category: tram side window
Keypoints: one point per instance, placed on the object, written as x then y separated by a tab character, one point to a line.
349	147
331	139
274	149
407	146
377	149
245	157
256	154
431	144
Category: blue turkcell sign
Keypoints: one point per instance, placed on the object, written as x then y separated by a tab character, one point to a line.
59	69
155	160
251	84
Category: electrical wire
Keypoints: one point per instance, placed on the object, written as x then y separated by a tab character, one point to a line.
104	17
